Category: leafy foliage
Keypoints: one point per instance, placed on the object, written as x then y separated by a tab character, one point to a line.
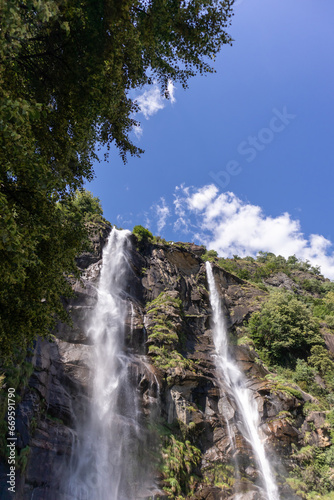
165	335
34	272
68	68
66	73
34	262
284	330
180	459
210	255
312	474
266	264
142	234
221	475
324	309
87	204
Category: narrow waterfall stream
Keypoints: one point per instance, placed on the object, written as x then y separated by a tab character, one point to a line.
233	378
105	463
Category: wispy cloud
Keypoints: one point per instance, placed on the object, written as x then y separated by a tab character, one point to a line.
138	131
160	212
151	101
224	222
124	221
171	91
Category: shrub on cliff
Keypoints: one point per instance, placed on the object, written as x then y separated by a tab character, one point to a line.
142	234
209	255
284	330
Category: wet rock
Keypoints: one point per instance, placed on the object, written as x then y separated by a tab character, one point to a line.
98	237
314	430
250	471
41	357
282	430
75	360
192	399
60	402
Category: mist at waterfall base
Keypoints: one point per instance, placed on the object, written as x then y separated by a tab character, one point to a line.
108	460
233	380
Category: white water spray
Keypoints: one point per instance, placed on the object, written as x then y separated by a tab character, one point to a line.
233	378
106	464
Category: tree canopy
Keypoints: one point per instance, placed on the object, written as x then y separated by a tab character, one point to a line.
67	70
284	330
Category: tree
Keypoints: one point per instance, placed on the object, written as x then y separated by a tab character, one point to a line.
210	255
143	235
34	267
284	330
87	206
67	68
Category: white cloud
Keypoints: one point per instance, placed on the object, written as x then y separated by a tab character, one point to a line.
151	101
202	198
171	91
138	131
181	225
124	221
162	212
231	226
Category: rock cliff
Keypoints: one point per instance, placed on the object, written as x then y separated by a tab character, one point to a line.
169	329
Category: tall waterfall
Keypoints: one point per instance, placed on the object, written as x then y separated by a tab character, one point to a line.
233	378
105	465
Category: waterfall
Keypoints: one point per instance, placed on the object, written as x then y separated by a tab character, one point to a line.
106	464
234	380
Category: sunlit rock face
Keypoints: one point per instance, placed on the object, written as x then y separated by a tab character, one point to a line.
170	377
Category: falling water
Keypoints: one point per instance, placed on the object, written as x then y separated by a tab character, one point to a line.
105	465
235	381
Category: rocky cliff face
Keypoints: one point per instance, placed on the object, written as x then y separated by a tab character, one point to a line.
170	325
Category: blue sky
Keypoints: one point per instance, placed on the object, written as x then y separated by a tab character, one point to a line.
260	129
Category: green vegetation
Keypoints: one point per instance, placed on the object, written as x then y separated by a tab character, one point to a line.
220	475
287	337
34	274
324	309
312	474
165	335
284	330
267	264
143	235
85	205
210	255
281	383
180	459
22	460
287	333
